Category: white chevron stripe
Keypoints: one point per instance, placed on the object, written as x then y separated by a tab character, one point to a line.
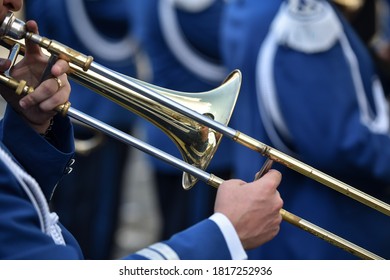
165	250
150	254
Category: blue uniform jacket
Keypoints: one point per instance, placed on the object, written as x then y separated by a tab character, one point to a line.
21	235
97	28
183	48
320	101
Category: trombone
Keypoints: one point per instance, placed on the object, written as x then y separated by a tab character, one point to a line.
197	131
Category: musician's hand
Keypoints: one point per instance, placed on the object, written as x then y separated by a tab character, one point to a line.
253	208
38	108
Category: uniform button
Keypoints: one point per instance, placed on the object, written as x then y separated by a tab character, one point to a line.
68	168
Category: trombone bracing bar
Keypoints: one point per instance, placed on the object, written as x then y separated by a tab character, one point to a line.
196	132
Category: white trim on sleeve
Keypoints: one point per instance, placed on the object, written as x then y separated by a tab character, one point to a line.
233	242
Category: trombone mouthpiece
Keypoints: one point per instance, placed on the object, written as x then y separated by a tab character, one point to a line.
13	27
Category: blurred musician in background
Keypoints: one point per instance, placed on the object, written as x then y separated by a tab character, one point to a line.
311	89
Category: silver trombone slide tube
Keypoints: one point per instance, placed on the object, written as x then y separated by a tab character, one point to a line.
215	181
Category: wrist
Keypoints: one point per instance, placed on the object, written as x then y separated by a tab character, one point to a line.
44	130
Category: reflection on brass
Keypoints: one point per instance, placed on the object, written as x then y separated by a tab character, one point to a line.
86	146
350	5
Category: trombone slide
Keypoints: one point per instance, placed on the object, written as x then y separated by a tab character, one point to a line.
215	181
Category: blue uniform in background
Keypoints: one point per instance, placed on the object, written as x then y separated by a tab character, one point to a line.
181	39
310	89
88	199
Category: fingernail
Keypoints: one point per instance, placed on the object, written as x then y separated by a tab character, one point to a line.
22	104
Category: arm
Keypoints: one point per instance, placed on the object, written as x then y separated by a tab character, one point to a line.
25	218
249	213
247	216
46	162
32	115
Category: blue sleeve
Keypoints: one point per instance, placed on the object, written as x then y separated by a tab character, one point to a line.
21	235
203	241
45	162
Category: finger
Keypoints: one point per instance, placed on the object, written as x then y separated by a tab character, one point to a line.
48	104
273	175
59	68
234	182
271	178
31	47
48	95
4	64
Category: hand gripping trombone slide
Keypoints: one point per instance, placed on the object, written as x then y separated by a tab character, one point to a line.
197	131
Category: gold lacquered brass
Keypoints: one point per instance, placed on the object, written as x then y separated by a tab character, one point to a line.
328	236
196	142
350	5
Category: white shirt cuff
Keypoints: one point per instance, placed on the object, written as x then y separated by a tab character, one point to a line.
233	242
